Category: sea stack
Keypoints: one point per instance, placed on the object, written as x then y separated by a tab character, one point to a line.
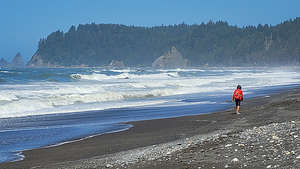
115	64
170	60
17	61
3	63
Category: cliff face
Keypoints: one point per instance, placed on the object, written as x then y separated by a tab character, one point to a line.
17	61
172	59
36	61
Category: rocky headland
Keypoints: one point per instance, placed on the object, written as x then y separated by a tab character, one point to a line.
212	43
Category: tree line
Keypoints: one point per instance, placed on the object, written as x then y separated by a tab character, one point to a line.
212	43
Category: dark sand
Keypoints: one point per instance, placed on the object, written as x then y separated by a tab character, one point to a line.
258	111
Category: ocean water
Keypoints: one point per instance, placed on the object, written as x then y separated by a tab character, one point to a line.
45	107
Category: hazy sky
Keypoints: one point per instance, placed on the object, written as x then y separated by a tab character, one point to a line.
24	22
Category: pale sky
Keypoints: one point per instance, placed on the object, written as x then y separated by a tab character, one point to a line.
24	22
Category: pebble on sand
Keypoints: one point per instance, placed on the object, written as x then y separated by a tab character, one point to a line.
108	165
235	160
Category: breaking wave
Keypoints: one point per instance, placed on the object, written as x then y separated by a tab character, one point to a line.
103	89
101	77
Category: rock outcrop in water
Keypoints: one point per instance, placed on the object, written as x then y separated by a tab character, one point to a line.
3	63
115	64
17	61
172	59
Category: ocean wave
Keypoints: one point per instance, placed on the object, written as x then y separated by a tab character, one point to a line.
14	109
7	97
44	99
92	90
101	77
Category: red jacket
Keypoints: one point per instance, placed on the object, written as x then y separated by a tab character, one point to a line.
237	94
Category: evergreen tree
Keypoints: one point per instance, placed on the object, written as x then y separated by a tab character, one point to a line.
213	43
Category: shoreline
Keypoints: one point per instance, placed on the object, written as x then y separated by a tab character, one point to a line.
148	133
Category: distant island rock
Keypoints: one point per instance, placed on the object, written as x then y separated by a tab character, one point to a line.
115	64
172	59
17	61
3	63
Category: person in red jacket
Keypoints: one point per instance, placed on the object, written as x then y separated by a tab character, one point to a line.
237	97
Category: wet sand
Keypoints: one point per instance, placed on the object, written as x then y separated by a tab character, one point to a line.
260	111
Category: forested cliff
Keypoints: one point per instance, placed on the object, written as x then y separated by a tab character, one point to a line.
212	43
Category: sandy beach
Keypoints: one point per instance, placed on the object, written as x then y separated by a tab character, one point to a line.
264	135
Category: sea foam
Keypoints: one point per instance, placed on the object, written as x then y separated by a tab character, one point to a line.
105	89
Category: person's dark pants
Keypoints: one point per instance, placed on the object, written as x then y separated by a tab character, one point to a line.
237	102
